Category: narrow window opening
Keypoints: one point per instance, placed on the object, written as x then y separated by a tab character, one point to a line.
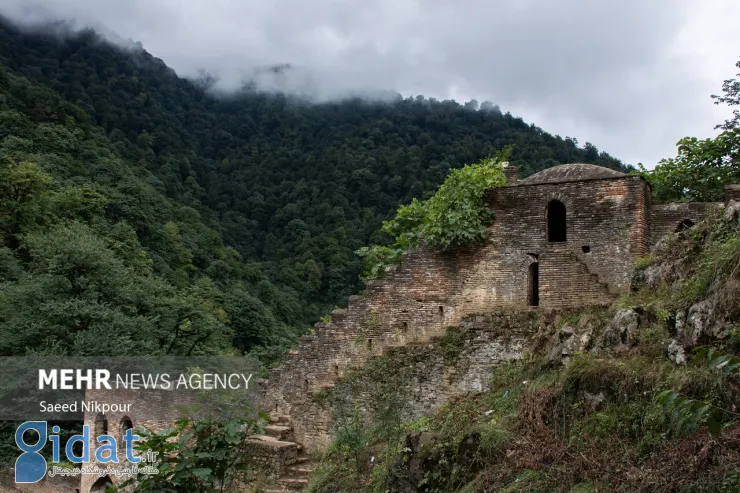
586	249
533	288
441	311
305	385
125	425
405	326
556	222
369	344
336	370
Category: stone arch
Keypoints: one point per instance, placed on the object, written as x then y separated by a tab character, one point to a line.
101	485
556	221
125	425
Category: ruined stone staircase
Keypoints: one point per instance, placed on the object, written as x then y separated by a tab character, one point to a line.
285	457
587	284
596	278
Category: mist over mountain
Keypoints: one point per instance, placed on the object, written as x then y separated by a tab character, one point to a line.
249	206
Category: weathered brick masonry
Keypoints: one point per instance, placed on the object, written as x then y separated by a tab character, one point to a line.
668	218
732	192
424	377
564	237
148	410
606	229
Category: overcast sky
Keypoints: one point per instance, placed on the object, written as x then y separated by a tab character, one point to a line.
630	76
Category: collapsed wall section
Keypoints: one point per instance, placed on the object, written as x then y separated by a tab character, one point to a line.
670	218
411	382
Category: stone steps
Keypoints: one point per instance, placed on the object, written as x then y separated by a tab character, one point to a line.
281	432
301	469
293	468
295	483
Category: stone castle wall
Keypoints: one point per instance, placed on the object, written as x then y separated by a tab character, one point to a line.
419	379
430	291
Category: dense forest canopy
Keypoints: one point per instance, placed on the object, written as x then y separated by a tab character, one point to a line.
140	212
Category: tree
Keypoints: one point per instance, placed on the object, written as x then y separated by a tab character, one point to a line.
22	189
454	216
702	167
731	97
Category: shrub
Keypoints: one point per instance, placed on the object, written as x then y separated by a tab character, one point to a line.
454	216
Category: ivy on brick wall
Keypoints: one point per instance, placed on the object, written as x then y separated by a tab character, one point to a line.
454	216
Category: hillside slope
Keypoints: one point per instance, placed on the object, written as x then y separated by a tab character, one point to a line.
293	186
589	400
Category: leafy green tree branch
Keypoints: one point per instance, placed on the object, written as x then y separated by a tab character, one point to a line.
455	216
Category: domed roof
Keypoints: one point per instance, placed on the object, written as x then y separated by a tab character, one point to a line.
571	172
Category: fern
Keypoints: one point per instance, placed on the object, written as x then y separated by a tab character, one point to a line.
688	413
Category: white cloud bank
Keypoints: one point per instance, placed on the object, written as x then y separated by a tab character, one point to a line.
632	77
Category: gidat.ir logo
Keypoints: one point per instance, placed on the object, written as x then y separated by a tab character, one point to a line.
30	467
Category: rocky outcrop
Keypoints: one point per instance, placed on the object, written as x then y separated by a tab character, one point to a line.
621	330
568	341
701	323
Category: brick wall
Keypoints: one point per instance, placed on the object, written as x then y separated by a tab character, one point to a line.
667	218
147	410
431	291
606	216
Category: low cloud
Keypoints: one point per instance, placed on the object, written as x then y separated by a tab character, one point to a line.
631	77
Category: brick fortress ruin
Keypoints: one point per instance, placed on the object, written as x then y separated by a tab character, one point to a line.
564	237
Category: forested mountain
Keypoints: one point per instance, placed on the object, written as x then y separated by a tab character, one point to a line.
141	214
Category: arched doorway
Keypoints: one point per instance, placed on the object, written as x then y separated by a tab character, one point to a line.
533	285
125	425
556	222
101	485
